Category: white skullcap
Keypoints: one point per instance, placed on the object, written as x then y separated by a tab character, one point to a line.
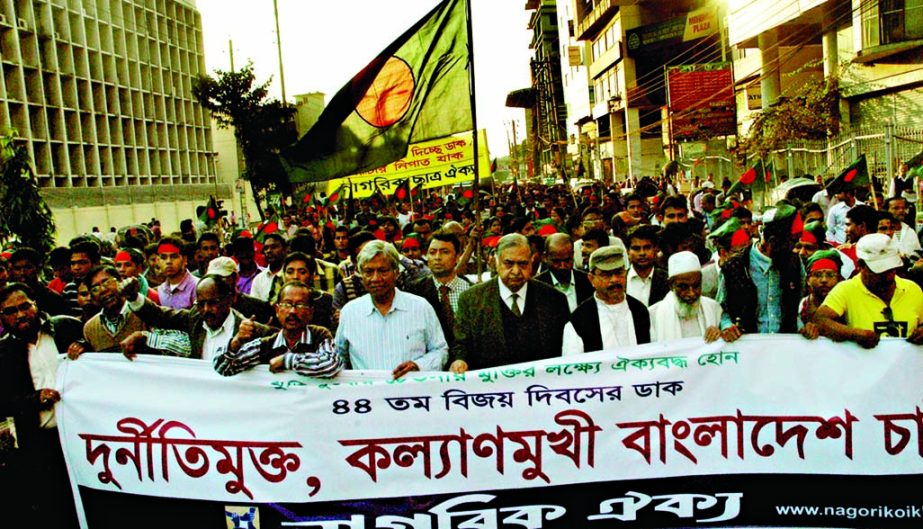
683	263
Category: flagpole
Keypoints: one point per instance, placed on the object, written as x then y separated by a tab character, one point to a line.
474	126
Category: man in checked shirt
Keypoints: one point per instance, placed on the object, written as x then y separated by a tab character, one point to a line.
301	347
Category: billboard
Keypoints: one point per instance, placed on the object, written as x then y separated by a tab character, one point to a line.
701	101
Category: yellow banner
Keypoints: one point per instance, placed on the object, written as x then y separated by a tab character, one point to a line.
700	23
436	163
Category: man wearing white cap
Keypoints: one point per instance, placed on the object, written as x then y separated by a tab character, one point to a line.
683	312
875	302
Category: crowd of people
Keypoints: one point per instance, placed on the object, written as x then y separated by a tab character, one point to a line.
536	272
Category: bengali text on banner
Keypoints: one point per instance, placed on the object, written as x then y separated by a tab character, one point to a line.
661	435
437	163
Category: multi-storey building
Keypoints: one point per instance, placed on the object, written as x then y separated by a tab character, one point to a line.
629	45
100	92
874	48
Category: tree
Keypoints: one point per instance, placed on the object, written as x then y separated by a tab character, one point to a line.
24	215
813	113
261	125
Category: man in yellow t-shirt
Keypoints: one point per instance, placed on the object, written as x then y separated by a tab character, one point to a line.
875	303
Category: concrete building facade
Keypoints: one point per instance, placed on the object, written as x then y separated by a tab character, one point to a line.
100	93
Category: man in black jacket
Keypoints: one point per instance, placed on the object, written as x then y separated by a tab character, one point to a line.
559	257
38	488
611	318
509	319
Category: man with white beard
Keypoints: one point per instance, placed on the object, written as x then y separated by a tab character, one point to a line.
684	312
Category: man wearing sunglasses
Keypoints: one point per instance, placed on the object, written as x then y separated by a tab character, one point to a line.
300	346
875	303
29	356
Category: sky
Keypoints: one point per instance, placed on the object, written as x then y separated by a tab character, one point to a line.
325	42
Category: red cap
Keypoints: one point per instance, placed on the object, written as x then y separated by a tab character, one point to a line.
410	242
824	264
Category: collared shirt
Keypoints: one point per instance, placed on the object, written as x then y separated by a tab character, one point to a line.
908	241
507	296
180	295
217	340
115	324
639	287
568	290
768	284
305	359
367	339
244	283
43	364
456	286
262	284
615	324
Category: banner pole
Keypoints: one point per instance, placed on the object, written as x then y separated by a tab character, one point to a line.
474	126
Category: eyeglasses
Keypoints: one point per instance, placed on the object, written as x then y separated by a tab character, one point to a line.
95	289
12	311
825	275
293	306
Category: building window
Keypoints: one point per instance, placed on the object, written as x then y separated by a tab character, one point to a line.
892	21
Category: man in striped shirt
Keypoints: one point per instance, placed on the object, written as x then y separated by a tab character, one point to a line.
301	347
388	328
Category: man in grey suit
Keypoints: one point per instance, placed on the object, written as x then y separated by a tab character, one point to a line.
511	318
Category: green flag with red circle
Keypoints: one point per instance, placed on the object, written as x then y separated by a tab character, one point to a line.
854	176
415	90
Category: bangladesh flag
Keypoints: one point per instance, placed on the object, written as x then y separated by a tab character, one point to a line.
915	166
405	192
270	225
854	176
466	196
757	178
337	195
208	214
415	90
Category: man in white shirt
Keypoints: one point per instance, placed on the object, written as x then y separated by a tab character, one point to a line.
611	318
560	273
836	216
684	312
388	328
265	286
908	242
646	282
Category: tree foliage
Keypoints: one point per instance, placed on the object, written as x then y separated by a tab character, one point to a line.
262	126
24	215
811	114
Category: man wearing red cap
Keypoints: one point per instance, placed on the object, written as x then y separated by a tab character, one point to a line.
178	289
823	275
130	263
876	302
761	286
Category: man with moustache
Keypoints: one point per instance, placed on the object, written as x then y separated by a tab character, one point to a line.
559	257
115	322
300	346
684	312
38	489
611	318
212	325
875	302
511	318
823	269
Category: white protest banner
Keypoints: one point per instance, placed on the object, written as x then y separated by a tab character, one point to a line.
662	435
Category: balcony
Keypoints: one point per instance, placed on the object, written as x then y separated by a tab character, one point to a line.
593	21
